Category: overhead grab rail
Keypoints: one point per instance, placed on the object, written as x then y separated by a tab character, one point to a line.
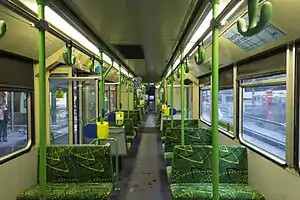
230	6
45	25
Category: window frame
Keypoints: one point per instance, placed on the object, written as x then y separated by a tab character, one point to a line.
30	125
257	149
202	89
220	128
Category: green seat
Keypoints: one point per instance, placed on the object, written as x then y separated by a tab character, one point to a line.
192	136
168	158
169	172
203	191
58	191
129	129
191	173
76	172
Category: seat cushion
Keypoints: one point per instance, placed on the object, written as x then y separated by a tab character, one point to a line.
203	191
169	173
71	191
168	158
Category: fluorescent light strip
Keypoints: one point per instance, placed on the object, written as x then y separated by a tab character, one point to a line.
66	28
205	25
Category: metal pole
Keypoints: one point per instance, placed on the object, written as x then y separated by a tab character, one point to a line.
182	100
101	89
172	96
119	90
80	109
167	93
133	105
97	99
128	98
110	67
215	88
42	101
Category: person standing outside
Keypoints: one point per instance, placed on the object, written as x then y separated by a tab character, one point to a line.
4	118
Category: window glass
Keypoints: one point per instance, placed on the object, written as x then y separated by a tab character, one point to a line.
205	105
264	118
13	121
59	114
264	78
226	109
113	98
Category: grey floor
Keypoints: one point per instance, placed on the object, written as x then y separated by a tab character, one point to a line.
143	176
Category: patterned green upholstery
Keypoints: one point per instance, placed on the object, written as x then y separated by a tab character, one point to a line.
70	191
168	158
135	116
191	136
129	129
177	124
169	172
191	173
192	164
76	172
203	191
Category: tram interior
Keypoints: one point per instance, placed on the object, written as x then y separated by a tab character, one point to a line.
144	43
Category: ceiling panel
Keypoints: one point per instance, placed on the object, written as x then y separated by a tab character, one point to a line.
22	38
155	25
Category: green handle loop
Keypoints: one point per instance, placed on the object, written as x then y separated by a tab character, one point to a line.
67	56
178	73
3	28
91	65
254	26
200	56
187	66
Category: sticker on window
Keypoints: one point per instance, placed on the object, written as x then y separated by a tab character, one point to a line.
269	34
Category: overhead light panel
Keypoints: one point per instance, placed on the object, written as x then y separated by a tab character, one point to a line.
59	23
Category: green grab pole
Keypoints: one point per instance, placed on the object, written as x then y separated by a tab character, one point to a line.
101	89
172	96
42	101
167	92
133	104
119	89
109	68
95	140
182	100
215	88
128	99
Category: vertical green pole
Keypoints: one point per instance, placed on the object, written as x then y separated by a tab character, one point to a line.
182	100
101	89
128	103
42	101
171	102
133	105
167	92
119	89
215	88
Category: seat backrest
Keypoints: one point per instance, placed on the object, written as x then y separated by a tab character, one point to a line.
192	136
129	126
79	163
192	164
198	136
191	123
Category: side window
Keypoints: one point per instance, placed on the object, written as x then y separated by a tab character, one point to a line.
264	116
226	110
205	105
15	119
